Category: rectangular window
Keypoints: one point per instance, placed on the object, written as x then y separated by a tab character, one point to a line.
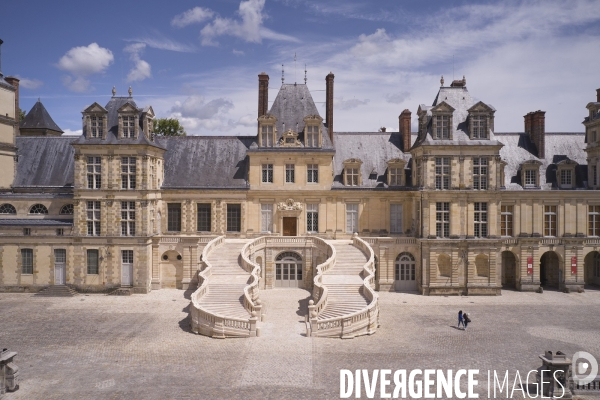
442	123
313	173
481	220
396	218
479	125
312	136
204	217
127	218
594	221
234	217
127	256
267	135
594	175
396	176
266	217
174	217
290	174
442	219
351	218
550	220
506	222
530	177
93	218
480	171
97	126
566	177
128	127
26	231
128	172
442	173
267	173
27	261
312	217
60	232
92	262
351	176
94	172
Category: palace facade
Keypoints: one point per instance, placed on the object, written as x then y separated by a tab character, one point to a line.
454	208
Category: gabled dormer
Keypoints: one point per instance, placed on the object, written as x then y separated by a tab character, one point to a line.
95	122
481	120
565	173
129	121
289	139
530	174
396	175
267	136
352	173
441	117
148	121
312	131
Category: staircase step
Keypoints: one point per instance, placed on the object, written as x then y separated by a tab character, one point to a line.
57	291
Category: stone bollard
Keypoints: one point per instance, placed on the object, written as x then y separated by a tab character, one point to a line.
9	372
554	367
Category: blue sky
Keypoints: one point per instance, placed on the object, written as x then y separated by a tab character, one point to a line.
199	60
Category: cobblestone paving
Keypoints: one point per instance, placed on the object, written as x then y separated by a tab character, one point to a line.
140	347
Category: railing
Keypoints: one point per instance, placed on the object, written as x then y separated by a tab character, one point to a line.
320	291
591	242
395	240
360	322
551	242
251	301
170	239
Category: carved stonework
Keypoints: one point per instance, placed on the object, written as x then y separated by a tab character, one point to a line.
289	139
289	205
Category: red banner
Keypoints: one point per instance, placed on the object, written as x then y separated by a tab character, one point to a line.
573	265
529	265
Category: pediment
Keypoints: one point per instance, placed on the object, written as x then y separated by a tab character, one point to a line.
568	162
443	107
531	163
396	161
423	109
267	118
313	118
481	107
149	112
95	108
127	108
353	161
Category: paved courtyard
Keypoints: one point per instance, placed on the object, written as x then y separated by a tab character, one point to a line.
140	347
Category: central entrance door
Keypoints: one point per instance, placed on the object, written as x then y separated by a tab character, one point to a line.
288	270
60	261
289	226
127	268
405	272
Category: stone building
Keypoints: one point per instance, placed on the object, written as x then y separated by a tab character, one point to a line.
454	208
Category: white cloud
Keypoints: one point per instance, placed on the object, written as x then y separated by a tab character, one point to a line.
69	132
78	84
158	41
248	120
197	107
141	69
349	104
193	16
86	60
29	83
396	98
249	29
238	52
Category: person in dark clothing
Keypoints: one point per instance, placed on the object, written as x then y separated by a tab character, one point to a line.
460	319
466	320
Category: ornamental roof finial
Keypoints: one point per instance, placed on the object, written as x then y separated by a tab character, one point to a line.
442	80
130	91
114	91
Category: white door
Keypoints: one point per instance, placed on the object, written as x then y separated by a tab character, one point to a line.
405	273
127	268
60	261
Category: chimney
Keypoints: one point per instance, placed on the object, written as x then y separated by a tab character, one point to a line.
598	95
404	120
15	82
263	94
1	41
535	128
329	104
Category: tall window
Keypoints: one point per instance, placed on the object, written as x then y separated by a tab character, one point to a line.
442	219
127	256
530	177
396	218
442	173
92	262
312	136
290	174
566	177
128	126
351	218
442	123
312	217
313	173
27	261
128	172
94	169
174	217
594	221
550	220
351	176
93	218
266	217
204	218
506	222
267	173
128	218
97	127
479	125
480	171
234	217
396	176
267	135
481	220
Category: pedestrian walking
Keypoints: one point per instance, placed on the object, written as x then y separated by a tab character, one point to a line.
460	319
466	320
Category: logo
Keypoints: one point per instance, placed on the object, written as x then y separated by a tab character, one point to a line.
579	368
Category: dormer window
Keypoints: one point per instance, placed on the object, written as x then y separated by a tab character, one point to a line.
479	127
128	125
97	126
530	172
289	139
442	121
267	131
312	131
95	121
481	120
352	175
396	172
565	174
128	121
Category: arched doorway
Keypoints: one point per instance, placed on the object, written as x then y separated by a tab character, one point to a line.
405	273
550	274
171	270
288	270
592	269
509	270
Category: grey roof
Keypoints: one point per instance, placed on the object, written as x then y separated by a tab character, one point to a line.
205	161
6	84
518	148
45	161
292	104
374	149
38	118
36	222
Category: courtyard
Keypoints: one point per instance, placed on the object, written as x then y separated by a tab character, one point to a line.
140	347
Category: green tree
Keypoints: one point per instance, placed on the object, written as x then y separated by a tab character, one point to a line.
21	114
168	127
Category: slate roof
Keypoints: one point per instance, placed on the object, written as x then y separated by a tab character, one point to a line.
6	84
38	118
45	161
292	104
36	222
218	162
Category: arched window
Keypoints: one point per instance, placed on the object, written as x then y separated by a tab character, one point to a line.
67	209
38	209
288	270
286	255
7	209
405	269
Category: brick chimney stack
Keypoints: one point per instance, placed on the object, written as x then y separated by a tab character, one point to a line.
15	82
404	121
535	128
598	95
329	104
263	94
